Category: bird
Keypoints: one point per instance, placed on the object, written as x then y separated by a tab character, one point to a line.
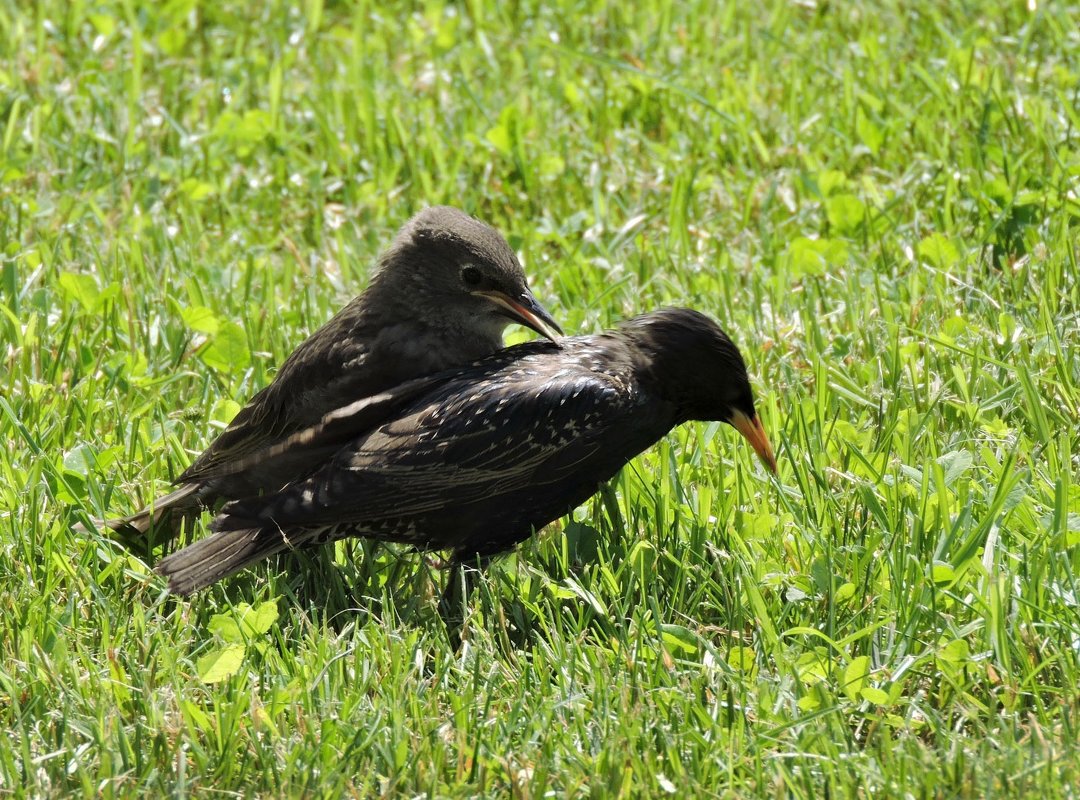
475	460
442	295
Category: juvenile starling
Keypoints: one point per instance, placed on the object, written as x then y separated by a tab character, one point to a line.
443	294
476	459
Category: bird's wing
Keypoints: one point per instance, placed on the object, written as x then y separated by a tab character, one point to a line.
261	460
254	425
465	443
326	371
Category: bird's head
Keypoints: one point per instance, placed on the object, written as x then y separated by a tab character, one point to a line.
450	267
694	365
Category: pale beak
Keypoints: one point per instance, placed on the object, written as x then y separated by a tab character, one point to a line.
525	311
750	428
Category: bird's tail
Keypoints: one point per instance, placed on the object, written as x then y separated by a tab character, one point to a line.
166	512
215	557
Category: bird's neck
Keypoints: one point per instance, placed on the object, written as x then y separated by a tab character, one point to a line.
410	347
386	301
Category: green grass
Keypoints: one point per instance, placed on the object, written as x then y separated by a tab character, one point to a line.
878	200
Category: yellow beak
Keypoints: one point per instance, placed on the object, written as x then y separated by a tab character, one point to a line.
750	427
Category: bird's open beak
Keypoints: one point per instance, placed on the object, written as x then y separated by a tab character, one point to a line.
750	427
525	310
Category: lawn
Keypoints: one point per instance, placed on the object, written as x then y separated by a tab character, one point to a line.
878	201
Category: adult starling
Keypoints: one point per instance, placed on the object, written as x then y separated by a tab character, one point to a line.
476	459
441	297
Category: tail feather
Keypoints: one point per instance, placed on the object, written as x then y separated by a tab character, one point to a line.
209	560
166	512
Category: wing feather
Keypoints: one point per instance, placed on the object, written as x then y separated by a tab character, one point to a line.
461	445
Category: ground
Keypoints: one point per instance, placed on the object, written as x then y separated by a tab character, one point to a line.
877	200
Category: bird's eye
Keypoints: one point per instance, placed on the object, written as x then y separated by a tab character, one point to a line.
471	276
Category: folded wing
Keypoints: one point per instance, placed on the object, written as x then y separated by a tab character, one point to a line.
464	445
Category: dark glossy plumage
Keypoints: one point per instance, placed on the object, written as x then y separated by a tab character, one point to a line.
475	460
442	295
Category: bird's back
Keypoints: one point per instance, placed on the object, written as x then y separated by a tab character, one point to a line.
355	355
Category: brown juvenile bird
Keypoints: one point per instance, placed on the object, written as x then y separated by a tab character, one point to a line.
442	295
474	460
